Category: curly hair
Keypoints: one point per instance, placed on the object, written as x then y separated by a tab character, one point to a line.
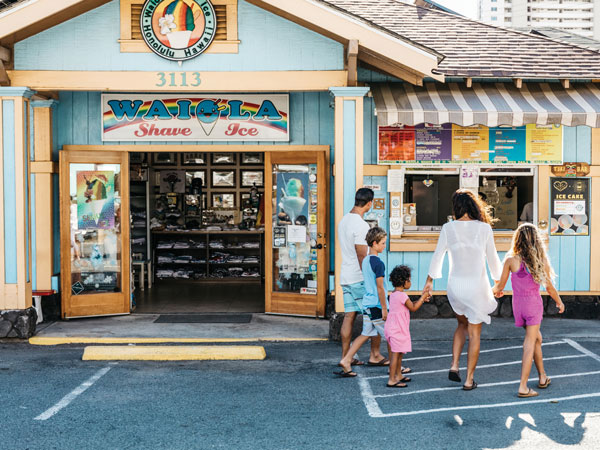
375	234
399	276
527	243
465	202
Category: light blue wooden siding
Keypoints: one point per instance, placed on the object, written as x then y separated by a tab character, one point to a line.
570	255
10	199
370	132
89	42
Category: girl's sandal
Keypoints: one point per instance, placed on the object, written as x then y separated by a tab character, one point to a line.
546	384
530	393
399	384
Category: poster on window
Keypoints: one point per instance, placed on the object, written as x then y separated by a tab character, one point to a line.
292	198
95	200
570	199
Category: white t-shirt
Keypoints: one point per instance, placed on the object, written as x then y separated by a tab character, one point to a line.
352	231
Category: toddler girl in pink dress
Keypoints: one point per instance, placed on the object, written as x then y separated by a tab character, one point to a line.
397	325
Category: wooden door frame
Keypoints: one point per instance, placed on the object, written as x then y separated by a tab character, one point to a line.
322	161
98	301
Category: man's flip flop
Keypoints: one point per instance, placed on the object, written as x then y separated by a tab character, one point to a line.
406	370
357	362
406	380
545	385
344	374
530	393
399	384
383	362
453	375
469	388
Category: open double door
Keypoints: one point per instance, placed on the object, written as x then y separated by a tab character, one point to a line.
95	230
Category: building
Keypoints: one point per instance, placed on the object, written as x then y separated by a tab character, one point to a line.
575	16
217	149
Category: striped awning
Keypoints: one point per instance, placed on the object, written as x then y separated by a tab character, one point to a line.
489	104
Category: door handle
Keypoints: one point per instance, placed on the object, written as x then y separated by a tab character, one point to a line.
319	246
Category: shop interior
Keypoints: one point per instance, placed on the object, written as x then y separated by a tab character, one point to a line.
427	201
197	232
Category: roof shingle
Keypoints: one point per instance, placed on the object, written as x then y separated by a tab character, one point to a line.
475	49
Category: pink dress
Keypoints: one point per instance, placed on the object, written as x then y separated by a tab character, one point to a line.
397	325
528	307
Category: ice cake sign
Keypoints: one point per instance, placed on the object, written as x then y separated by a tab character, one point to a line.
178	29
213	117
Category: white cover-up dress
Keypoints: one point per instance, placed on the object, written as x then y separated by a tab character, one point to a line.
469	244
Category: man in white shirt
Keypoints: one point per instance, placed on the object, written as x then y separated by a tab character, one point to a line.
352	231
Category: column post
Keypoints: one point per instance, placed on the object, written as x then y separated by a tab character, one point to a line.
348	162
15	185
43	169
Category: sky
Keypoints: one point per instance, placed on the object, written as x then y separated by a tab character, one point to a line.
465	7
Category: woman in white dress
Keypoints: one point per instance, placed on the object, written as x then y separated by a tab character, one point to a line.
469	241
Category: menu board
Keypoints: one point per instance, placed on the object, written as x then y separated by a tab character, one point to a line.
433	143
397	143
451	143
570	206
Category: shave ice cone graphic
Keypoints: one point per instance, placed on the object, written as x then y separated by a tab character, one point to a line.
292	200
95	200
179	22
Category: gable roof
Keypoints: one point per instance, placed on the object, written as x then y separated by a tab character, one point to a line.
475	49
27	18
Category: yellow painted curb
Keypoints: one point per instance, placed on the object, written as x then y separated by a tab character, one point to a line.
49	340
173	353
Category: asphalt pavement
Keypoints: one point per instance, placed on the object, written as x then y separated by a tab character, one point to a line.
291	400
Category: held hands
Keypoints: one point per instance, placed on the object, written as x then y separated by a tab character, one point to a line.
426	295
497	291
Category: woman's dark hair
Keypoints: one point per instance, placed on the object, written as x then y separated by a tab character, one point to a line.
363	196
399	276
465	202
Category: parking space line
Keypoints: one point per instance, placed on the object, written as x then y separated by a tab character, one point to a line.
449	355
488	406
67	399
482	385
368	399
483	366
583	350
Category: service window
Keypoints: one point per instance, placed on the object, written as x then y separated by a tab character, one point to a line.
511	192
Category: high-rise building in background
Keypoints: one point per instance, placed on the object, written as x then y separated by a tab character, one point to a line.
575	16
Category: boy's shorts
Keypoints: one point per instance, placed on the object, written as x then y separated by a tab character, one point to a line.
353	295
373	323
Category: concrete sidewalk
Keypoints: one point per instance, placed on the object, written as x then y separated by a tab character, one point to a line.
262	327
282	328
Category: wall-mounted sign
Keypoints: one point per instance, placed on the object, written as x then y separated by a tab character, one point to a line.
132	117
178	29
571	170
570	199
451	143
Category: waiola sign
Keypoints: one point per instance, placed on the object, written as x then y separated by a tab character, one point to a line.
127	117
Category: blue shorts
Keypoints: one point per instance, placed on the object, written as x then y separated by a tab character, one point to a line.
353	295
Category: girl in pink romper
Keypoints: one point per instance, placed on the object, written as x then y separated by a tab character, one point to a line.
397	325
529	268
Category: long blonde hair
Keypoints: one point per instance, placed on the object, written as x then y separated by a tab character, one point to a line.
527	243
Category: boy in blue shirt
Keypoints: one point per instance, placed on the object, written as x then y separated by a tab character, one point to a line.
374	302
375	298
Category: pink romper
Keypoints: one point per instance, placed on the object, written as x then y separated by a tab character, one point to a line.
528	307
397	325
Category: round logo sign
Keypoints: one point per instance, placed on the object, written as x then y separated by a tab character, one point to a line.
178	29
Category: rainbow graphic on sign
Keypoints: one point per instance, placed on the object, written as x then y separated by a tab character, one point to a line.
247	117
